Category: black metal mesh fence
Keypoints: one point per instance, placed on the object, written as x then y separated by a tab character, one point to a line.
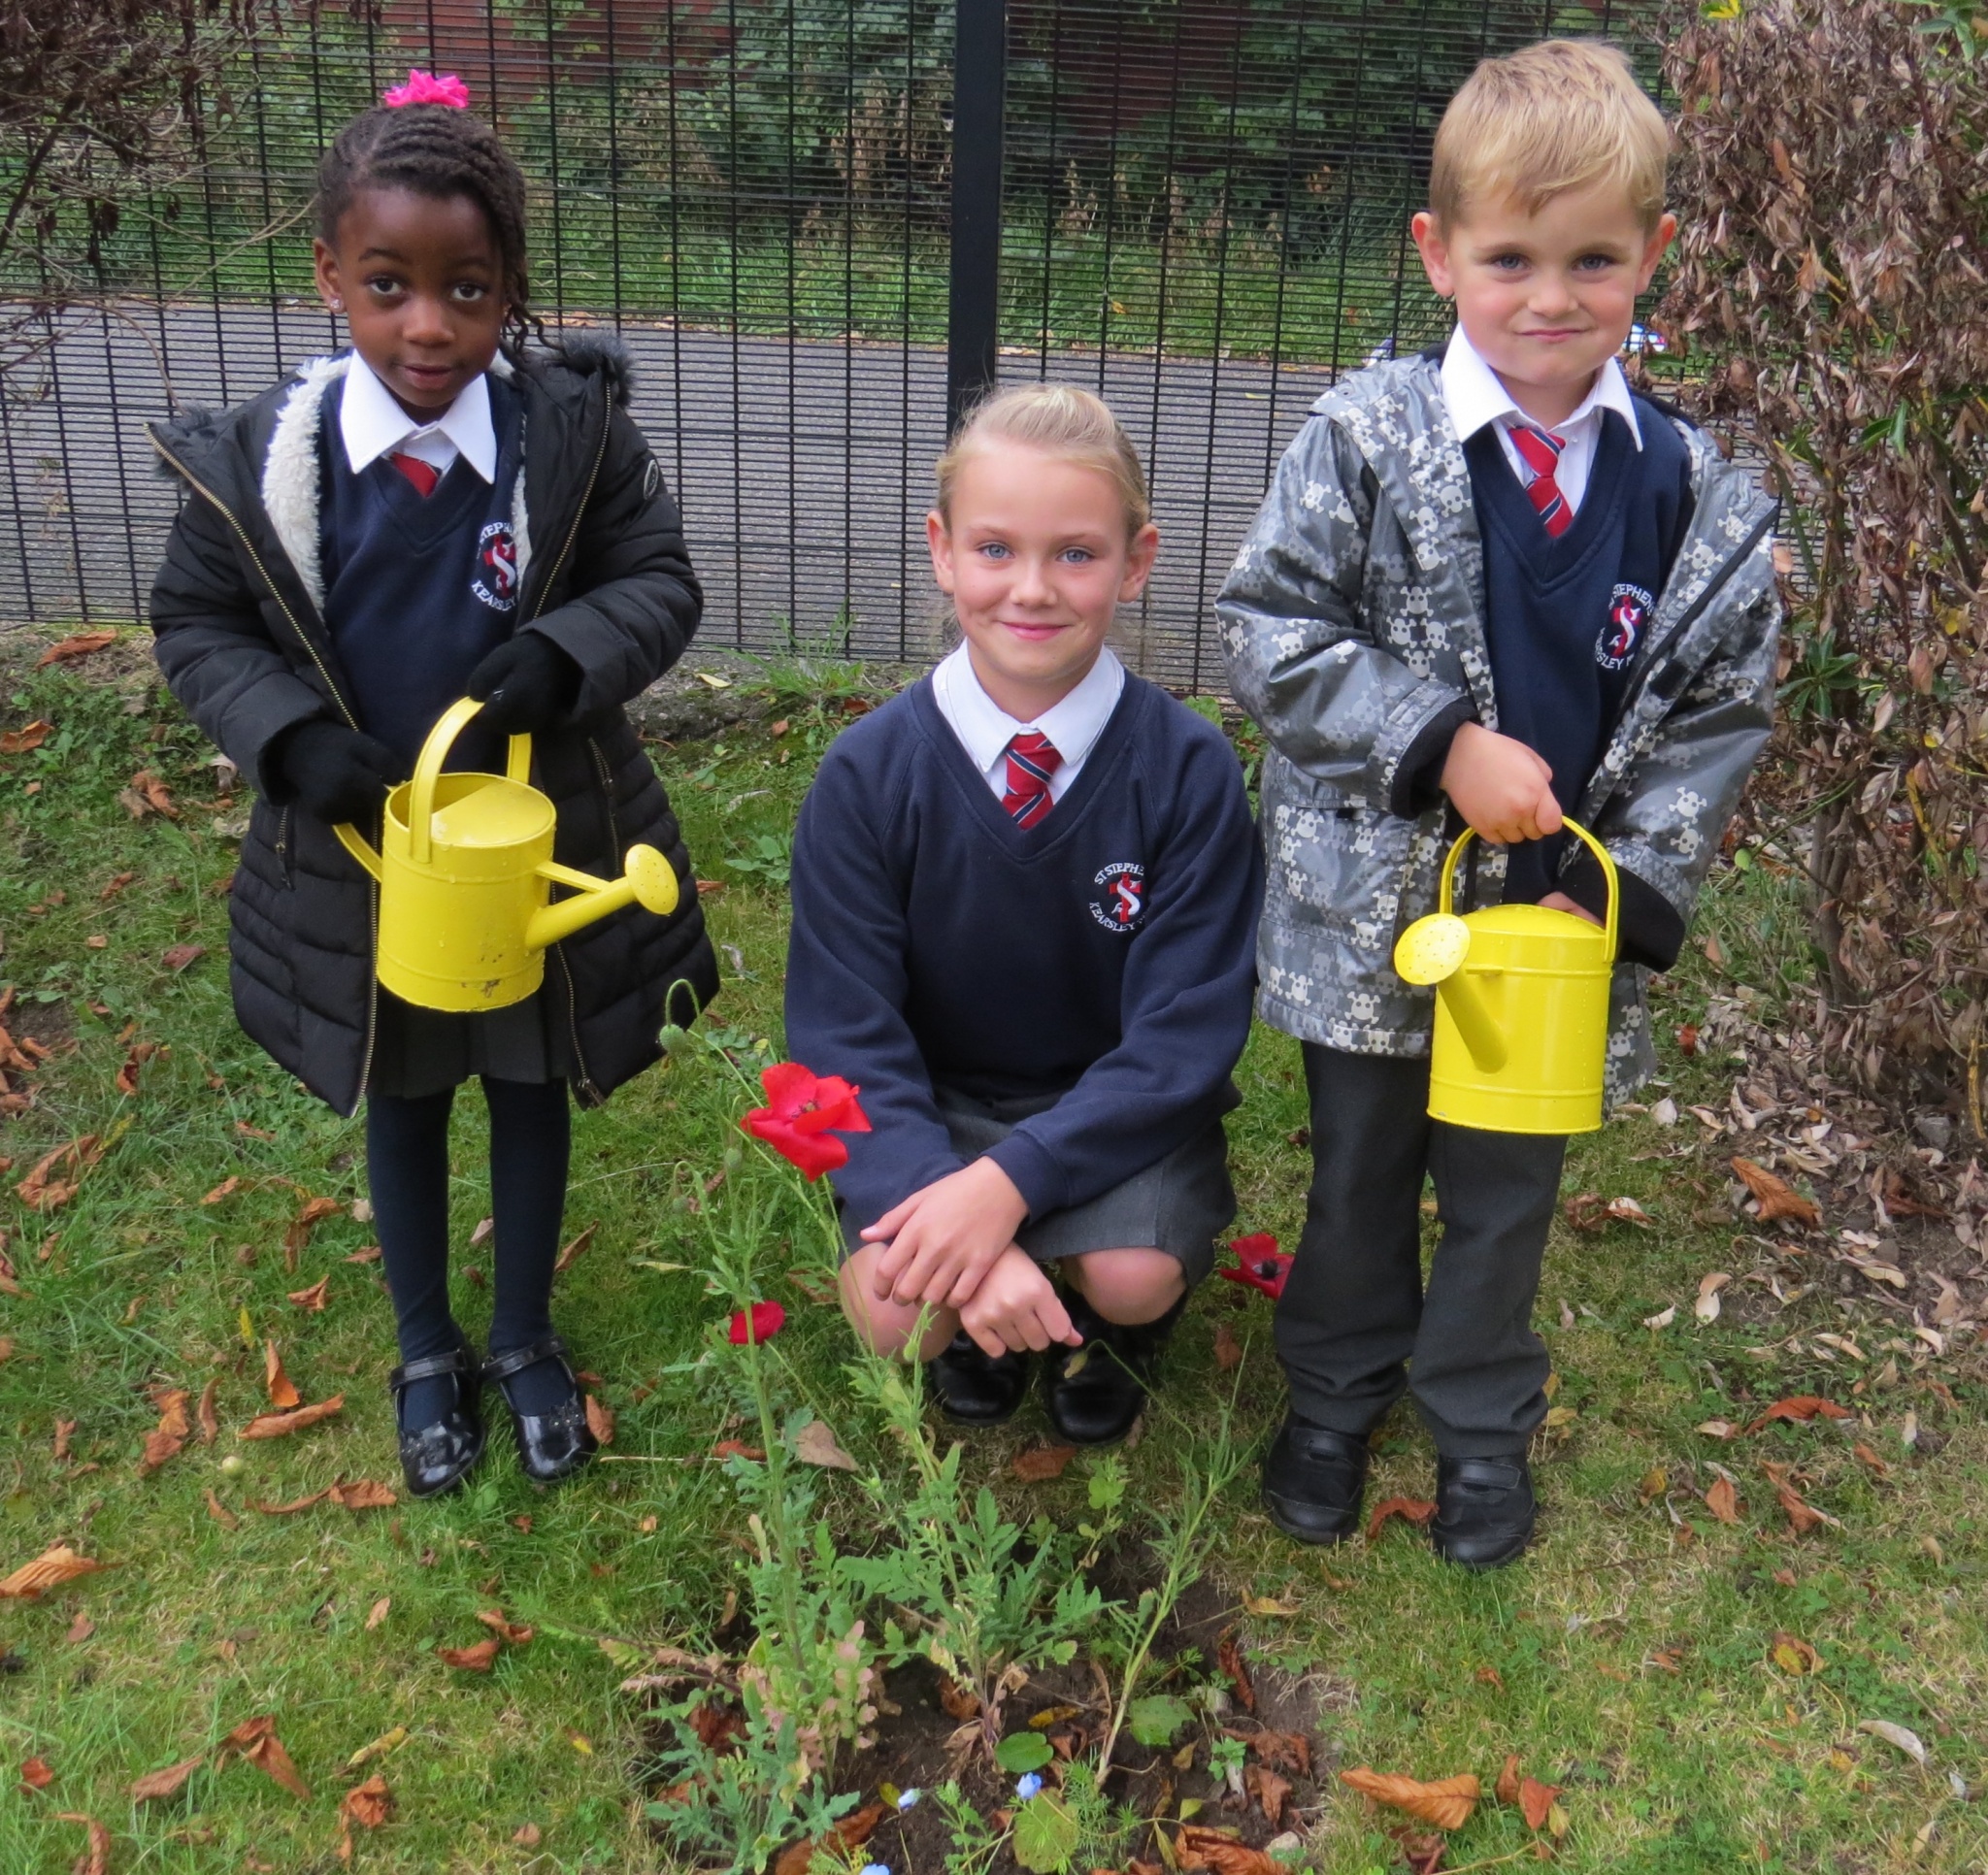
1204	216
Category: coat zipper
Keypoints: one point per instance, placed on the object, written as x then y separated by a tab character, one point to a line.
586	1080
304	638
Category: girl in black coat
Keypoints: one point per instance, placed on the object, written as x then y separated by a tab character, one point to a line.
437	514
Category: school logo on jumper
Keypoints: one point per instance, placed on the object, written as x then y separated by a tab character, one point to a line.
496	580
1629	610
1122	904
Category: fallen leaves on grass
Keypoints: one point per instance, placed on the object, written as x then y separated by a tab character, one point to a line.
313	1298
816	1445
219	1511
1220	1850
1271	1791
276	1425
42	1191
1281	1750
179	957
1793	1656
1720	1428
1723	1501
29	735
851	1832
169	1437
600	1419
378	1612
36	1774
1447	1803
96	1858
1801	1408
390	1740
1775	1197
313	1212
156	1785
1536	1802
368	1804
957	1702
1041	1463
575	1250
282	1394
1229	1657
1802	1514
148	794
1706	1307
78	644
514	1633
292	1508
1228	1350
80	1631
140	1053
50	1570
1411	1510
478	1658
256	1741
364	1494
227	1188
208	1420
1590	1211
738	1449
1896	1737
1506	1790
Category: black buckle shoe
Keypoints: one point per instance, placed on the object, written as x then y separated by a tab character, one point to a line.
1312	1481
434	1458
553	1445
1484	1510
974	1387
1098	1403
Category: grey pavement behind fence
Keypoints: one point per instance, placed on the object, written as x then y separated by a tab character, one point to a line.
804	467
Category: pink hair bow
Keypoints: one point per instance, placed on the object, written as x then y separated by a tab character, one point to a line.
427	87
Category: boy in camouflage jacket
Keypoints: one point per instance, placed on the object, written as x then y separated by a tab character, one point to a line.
1439	621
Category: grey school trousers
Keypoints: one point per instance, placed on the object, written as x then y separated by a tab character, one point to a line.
1355	1327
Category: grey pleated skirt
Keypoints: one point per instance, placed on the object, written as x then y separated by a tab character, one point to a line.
417	1052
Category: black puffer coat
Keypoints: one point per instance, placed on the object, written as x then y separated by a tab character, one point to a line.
243	644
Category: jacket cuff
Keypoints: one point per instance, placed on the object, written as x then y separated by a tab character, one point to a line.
1419	777
266	767
1649	929
1035	1176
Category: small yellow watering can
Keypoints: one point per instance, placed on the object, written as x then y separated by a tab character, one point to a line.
467	874
1521	1008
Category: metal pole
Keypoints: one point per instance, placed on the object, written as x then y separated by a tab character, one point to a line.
974	312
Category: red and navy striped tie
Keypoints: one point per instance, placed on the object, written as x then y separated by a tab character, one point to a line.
1031	759
1541	450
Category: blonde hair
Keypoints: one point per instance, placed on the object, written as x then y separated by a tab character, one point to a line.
1563	114
1061	420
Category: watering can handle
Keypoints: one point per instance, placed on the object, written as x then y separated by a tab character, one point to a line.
1595	847
448	726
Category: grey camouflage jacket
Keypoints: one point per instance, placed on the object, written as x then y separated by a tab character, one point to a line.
1353	618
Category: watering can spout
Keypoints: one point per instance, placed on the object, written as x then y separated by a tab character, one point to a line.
648	881
1481	1034
1434	950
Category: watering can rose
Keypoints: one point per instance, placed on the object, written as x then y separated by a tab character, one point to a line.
803	1109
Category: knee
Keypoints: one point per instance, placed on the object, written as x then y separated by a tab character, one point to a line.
884	1326
1128	1286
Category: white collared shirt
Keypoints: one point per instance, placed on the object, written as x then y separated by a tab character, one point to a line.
1476	396
372	424
986	730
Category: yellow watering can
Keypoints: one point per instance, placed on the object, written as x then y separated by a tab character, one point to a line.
466	880
1521	1008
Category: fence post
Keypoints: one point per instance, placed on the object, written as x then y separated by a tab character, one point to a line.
980	83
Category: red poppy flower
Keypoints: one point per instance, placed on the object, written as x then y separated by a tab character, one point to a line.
1259	1264
803	1109
764	1321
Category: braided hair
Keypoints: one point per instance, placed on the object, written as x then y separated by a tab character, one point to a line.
440	151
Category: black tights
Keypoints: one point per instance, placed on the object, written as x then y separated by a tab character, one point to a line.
406	1167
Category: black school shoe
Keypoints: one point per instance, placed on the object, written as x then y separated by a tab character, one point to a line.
1098	1402
435	1458
1484	1510
1312	1481
552	1445
975	1388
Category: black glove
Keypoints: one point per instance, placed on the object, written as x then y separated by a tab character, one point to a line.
333	771
525	685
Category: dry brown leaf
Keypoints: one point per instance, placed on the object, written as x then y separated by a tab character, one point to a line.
1229	1657
1801	1408
1802	1514
1196	1847
1793	1654
1863	1452
169	1437
851	1832
292	1508
509	1630
1271	1791
368	1804
179	957
206	1417
1282	1750
1506	1788
80	1631
575	1250
50	1570
362	1493
65	1431
96	1859
220	1513
257	1740
313	1297
600	1419
78	644
1777	1198
1041	1463
168	1782
36	1774
281	1394
1413	1510
276	1425
1447	1803
528	1835
816	1445
29	735
377	1613
140	1053
478	1657
1723	1501
736	1449
44	1192
227	1188
958	1702
1228	1350
297	1235
1536	1801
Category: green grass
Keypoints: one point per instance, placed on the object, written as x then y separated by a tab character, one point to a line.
1725	1763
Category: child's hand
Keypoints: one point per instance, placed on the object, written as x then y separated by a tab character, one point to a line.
1016	1308
525	685
1499	786
1560	902
335	773
944	1238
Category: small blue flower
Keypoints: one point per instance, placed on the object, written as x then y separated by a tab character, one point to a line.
1024	1788
906	1798
875	1868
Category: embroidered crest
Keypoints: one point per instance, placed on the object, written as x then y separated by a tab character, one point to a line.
1629	608
1122	904
495	580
